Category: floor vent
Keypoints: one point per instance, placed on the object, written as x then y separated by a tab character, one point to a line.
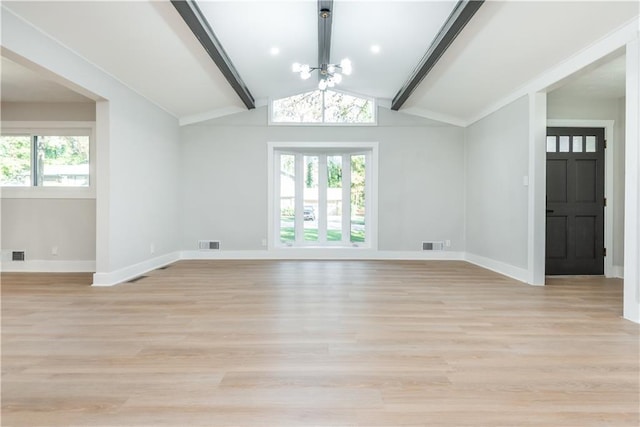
209	245
17	256
137	278
432	246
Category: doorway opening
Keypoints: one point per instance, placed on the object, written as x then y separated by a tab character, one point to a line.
575	201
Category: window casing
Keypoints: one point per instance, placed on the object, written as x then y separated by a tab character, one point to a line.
323	195
47	159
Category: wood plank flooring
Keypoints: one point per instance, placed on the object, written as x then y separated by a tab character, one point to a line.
317	343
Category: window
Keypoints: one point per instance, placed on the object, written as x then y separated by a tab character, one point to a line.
16	159
579	144
323	195
323	107
33	159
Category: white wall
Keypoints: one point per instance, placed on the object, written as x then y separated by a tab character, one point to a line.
601	109
137	147
38	225
496	198
421	178
144	153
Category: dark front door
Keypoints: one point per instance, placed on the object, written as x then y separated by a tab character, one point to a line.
575	201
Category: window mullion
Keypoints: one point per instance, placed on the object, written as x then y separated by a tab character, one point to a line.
299	200
277	196
322	198
367	198
34	161
346	199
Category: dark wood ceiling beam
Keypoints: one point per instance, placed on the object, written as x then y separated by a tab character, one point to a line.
200	27
324	32
461	15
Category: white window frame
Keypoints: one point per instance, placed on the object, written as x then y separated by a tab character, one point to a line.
301	148
374	104
64	128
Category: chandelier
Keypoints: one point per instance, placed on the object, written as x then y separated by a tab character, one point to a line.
329	74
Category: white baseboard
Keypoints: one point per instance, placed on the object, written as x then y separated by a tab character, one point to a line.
135	270
617	271
48	266
323	254
500	267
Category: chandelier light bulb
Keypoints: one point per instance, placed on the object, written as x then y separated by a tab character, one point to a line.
304	75
337	77
345	64
322	84
331	68
305	68
331	83
296	67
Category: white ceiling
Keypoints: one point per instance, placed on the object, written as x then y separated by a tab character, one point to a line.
507	45
147	46
144	44
604	82
403	30
19	84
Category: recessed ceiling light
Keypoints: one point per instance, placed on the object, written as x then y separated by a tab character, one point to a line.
274	51
375	48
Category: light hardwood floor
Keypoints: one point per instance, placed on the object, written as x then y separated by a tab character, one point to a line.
317	343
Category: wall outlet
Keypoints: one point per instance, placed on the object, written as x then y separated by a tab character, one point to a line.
264	242
54	251
152	249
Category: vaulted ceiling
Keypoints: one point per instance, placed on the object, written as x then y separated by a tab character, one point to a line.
149	47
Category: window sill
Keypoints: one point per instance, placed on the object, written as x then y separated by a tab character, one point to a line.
47	193
329	249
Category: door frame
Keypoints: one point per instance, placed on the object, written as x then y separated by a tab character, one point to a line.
609	136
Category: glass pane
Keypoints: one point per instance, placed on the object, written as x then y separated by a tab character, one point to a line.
358	167
342	108
577	144
334	198
15	152
287	198
551	144
303	108
310	198
564	144
63	161
591	144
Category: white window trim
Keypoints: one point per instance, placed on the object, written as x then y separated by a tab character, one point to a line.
54	128
373	101
371	215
